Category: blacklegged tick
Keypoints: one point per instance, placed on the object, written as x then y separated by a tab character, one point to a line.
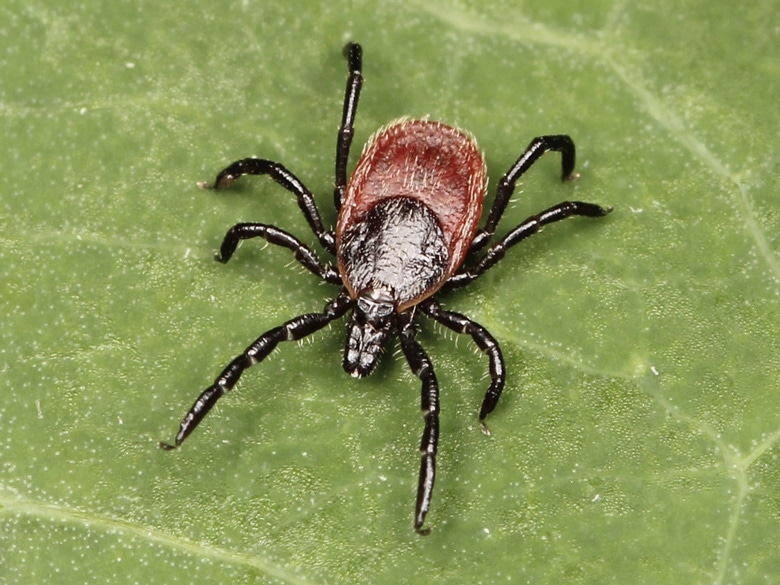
407	220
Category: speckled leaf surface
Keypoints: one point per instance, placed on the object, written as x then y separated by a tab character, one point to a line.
637	441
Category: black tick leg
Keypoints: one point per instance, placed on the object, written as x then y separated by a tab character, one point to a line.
486	343
528	228
294	329
274	235
277	171
422	367
506	186
354	56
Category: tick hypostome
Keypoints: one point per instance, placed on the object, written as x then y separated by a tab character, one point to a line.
407	220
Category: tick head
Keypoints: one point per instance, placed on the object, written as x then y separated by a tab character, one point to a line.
367	331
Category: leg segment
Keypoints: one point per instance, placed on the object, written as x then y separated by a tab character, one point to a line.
294	329
354	56
274	235
486	343
421	365
529	227
506	186
277	171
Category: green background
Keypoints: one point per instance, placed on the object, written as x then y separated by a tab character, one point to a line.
637	441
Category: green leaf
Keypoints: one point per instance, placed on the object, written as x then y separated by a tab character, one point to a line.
637	440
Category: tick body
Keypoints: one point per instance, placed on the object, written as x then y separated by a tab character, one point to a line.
408	220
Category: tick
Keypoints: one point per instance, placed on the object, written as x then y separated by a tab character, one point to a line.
407	221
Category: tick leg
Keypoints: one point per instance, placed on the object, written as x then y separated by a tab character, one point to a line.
421	365
277	171
354	56
294	329
486	343
274	235
528	228
506	186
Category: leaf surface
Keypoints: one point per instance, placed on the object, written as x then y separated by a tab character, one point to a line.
637	440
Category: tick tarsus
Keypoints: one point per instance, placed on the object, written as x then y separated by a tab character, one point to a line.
404	230
221	182
353	53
